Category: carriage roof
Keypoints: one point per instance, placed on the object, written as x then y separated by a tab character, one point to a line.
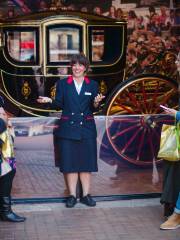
39	16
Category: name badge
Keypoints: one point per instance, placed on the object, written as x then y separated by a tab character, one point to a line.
87	93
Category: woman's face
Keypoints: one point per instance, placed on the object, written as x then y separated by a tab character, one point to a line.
78	70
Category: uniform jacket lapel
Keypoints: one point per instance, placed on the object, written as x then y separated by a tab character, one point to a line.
82	97
78	98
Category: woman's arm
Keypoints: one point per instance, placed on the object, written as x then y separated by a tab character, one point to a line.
173	111
57	103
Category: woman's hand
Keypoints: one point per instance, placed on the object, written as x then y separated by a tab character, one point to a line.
98	99
44	100
170	111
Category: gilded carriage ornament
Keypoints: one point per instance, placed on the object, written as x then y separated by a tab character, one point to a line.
26	90
103	87
53	92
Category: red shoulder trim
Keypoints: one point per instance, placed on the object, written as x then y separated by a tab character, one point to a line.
87	80
70	80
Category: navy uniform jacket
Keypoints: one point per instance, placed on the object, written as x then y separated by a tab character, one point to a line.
77	119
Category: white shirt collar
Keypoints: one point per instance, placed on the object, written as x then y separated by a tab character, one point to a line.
78	86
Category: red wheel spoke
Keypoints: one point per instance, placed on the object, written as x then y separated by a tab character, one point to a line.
153	102
128	120
130	141
141	144
155	132
134	101
165	121
150	143
124	107
144	98
124	131
166	97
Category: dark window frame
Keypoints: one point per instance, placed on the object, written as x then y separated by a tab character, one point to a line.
105	28
37	47
62	25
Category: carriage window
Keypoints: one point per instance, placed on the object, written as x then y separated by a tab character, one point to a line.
21	45
106	44
97	45
64	41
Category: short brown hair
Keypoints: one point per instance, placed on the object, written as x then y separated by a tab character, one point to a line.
80	58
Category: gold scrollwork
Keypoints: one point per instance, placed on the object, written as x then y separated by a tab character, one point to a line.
103	87
26	90
53	92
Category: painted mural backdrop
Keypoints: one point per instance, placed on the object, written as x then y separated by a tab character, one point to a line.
37	154
153	27
153	45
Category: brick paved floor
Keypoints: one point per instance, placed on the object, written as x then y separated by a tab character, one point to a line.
120	220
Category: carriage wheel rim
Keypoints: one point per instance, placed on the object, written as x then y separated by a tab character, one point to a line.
139	130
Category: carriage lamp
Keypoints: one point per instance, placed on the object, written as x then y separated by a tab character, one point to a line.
53	92
26	90
103	87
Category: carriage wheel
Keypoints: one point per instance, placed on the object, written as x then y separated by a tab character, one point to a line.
136	138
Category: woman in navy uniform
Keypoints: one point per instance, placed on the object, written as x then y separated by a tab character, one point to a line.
78	97
7	169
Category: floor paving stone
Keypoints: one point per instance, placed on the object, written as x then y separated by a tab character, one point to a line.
115	220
